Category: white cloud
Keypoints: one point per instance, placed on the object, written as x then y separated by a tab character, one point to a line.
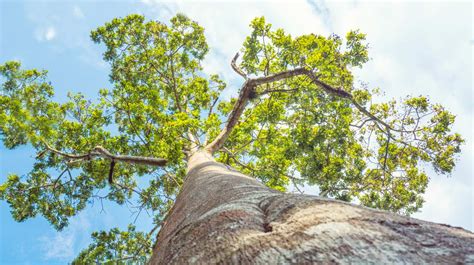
59	22
45	34
77	12
50	33
63	245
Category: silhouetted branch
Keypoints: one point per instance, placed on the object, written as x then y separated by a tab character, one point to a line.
100	151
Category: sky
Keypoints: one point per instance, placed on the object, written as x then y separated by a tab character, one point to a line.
416	48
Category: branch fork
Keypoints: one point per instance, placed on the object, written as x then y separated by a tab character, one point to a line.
248	91
100	151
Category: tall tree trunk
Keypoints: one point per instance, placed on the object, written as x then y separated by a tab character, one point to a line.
223	216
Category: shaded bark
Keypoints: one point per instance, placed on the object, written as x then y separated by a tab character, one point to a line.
223	216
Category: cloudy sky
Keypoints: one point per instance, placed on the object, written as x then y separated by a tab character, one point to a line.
417	48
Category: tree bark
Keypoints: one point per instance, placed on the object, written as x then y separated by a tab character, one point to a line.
223	216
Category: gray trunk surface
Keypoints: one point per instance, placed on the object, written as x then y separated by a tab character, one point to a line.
222	216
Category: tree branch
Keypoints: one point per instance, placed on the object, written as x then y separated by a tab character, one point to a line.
236	68
100	151
276	91
248	89
331	90
386	156
234	116
279	76
111	172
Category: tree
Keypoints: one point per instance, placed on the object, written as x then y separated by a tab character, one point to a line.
217	167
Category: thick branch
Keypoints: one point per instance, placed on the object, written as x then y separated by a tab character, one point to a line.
234	116
276	91
279	76
195	143
247	89
100	151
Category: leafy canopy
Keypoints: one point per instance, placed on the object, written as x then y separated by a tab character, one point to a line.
294	131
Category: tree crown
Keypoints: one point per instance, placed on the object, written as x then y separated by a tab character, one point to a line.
299	118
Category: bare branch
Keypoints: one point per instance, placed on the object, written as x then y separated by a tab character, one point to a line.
236	68
324	193
100	151
296	186
247	89
386	156
279	76
331	90
362	124
193	138
212	106
233	156
234	116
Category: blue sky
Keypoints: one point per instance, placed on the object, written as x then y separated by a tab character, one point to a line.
416	48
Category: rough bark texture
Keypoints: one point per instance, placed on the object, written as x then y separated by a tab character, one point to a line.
223	216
